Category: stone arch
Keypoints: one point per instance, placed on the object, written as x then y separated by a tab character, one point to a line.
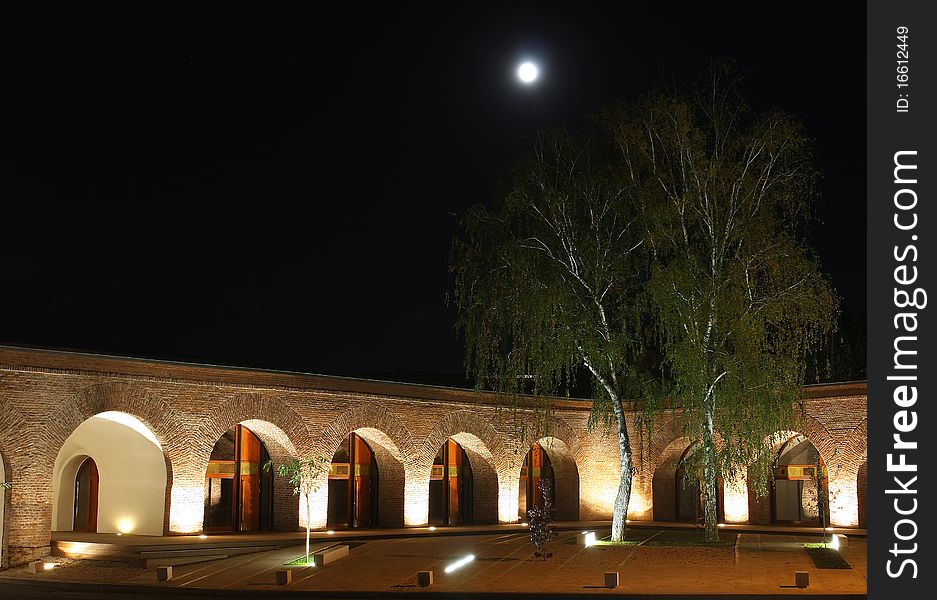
364	417
759	502
483	446
484	479
282	432
148	408
664	500
389	440
565	476
133	475
560	431
820	437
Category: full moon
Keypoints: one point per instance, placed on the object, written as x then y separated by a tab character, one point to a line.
527	72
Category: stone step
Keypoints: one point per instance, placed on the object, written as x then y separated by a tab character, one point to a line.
152	563
182	551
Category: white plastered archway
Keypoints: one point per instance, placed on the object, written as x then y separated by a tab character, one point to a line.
132	475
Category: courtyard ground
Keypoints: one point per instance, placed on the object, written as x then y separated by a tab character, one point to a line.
757	564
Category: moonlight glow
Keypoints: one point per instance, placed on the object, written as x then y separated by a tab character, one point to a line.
528	72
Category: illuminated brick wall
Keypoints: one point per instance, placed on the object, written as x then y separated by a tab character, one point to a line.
44	396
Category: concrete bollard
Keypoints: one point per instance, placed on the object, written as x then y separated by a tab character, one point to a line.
164	573
424	578
36	566
284	576
611	579
330	555
801	579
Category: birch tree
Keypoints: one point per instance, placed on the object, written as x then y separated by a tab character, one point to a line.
738	296
546	285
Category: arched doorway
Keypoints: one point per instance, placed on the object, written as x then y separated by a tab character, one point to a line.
238	491
110	476
450	486
690	493
85	517
798	483
537	468
353	485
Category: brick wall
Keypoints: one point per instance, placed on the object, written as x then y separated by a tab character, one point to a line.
44	396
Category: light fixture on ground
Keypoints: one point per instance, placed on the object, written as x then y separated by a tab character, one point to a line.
587	539
460	563
432	528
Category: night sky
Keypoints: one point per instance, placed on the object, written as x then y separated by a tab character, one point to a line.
279	188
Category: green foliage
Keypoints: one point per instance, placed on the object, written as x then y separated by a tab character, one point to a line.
738	298
545	281
304	475
6	485
666	258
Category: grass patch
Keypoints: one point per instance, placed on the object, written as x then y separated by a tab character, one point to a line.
824	557
692	538
672	538
611	543
301	562
632	536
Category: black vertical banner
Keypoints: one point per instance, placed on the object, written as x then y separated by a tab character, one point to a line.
902	366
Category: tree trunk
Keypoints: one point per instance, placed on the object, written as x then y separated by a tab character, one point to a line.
620	510
308	521
710	481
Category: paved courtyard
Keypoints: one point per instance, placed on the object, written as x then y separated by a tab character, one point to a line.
758	563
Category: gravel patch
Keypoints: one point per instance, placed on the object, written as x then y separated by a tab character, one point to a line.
91	571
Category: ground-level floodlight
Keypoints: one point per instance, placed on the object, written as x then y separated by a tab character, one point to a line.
460	563
586	538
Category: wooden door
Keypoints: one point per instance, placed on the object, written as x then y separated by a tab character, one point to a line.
249	471
362	458
454	476
86	497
